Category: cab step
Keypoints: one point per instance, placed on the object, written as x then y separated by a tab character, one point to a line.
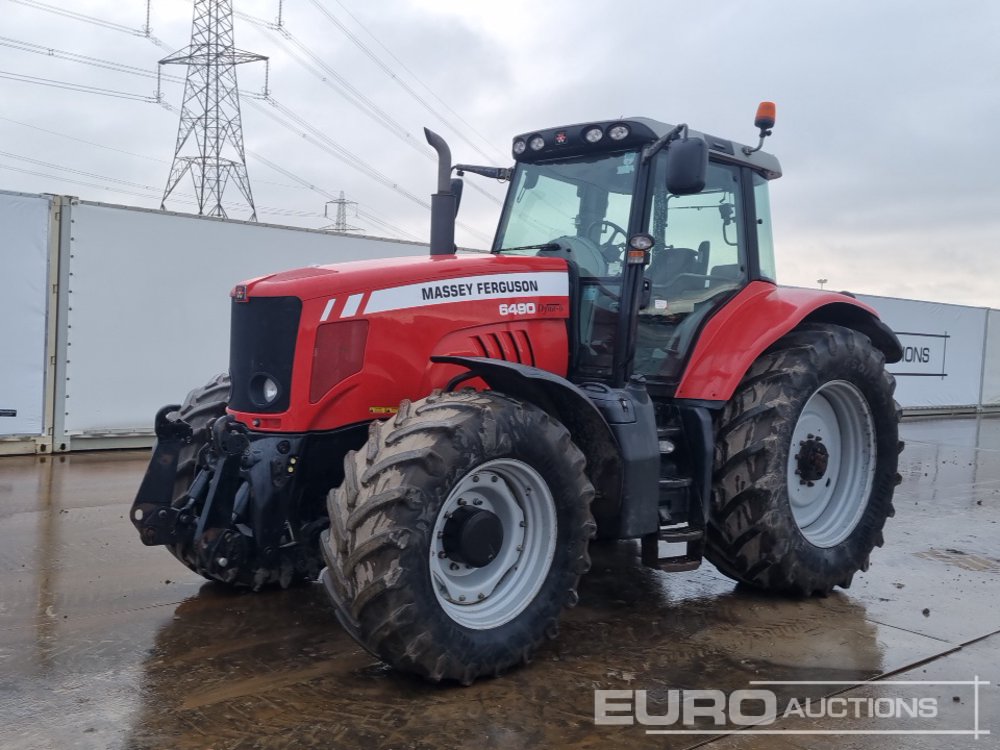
690	536
674	484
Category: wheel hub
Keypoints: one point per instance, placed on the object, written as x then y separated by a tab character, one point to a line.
831	470
492	543
473	536
813	459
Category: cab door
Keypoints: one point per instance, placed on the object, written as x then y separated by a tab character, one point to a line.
699	260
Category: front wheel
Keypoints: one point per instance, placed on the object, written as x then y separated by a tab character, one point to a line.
459	534
805	464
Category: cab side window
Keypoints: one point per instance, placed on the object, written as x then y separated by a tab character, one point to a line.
699	239
765	239
697	263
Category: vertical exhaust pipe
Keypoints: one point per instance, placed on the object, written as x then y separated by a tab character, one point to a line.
444	203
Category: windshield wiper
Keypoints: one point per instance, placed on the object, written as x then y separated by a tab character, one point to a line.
544	246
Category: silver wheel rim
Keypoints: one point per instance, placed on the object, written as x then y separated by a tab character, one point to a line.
492	595
829	508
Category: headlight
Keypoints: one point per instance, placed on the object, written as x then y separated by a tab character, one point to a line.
270	390
618	132
537	143
593	135
264	389
519	146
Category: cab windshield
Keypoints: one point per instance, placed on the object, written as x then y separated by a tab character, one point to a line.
577	209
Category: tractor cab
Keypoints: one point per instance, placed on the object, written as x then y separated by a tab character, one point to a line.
582	192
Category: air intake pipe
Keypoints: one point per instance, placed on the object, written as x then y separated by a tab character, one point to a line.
444	203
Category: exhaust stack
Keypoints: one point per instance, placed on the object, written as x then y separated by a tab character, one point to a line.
444	203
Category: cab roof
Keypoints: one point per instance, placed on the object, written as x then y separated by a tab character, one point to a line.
570	140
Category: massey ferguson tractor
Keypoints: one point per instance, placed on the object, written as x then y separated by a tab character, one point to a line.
438	439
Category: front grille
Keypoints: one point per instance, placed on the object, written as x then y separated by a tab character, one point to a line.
262	345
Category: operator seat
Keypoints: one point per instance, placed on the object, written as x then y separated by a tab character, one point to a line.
666	268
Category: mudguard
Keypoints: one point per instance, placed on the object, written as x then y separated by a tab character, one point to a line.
568	403
755	319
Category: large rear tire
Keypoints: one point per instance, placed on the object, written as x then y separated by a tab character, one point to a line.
202	407
481	467
805	464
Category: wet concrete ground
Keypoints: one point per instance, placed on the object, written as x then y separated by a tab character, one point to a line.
106	643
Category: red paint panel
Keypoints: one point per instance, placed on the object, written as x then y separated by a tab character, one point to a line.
400	343
739	333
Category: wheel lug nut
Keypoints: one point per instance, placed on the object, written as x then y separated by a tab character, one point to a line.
493	478
461	598
523	525
453	566
475	478
461	501
223	562
480	596
442	554
477	501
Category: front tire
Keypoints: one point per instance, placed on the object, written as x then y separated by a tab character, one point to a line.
805	464
481	467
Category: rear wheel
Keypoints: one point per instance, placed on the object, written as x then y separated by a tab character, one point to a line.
459	534
805	464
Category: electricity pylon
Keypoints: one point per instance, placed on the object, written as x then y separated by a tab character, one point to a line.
340	223
210	135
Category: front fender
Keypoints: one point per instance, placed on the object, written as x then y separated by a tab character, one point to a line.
567	403
755	319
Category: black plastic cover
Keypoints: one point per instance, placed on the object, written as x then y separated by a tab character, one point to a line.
640	451
262	345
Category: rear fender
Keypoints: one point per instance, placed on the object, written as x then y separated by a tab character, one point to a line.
755	319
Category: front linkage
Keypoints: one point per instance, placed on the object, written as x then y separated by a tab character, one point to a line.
238	521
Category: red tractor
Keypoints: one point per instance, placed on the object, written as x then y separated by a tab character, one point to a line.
447	434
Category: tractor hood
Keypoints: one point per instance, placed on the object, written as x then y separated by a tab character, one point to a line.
329	346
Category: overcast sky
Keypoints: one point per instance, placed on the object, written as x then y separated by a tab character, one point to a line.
886	127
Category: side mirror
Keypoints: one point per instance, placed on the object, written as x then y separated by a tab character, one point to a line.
687	166
456	189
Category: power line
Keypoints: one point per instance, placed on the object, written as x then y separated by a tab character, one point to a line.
364	213
104	146
186	198
84	141
322	71
96	62
405	86
93	20
322	140
330	77
317	137
330	146
68	85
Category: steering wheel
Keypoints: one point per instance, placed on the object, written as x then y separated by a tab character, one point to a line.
611	250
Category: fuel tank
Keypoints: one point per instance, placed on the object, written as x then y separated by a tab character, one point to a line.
319	348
